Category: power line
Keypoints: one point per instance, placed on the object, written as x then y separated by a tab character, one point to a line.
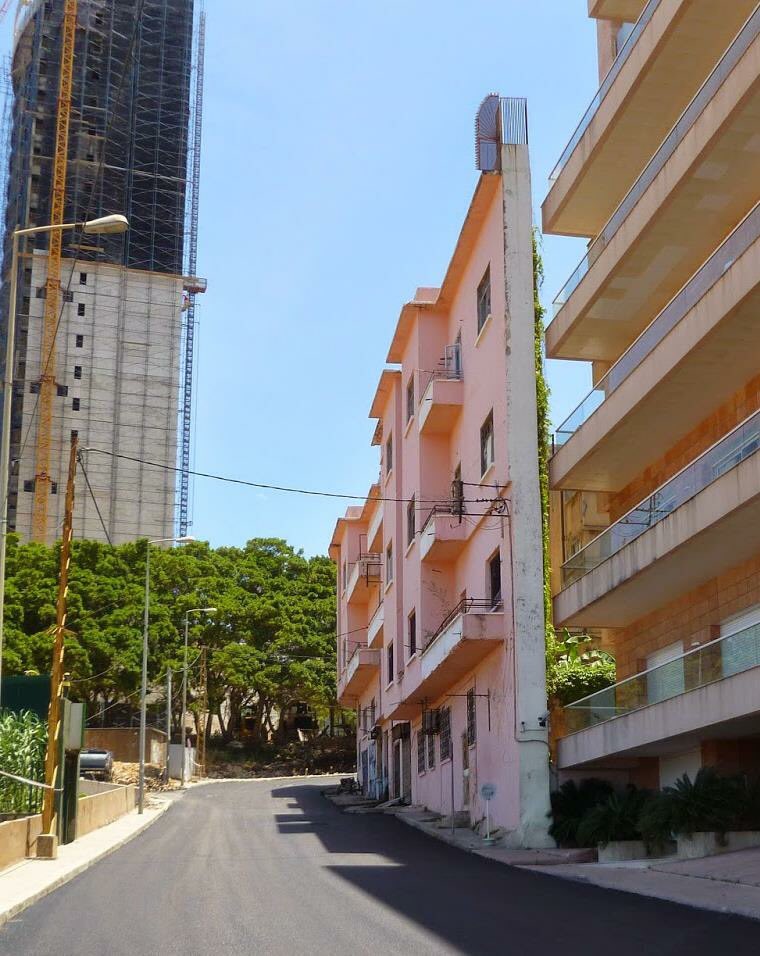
94	499
285	488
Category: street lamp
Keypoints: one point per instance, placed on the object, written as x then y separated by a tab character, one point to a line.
144	684
193	610
103	225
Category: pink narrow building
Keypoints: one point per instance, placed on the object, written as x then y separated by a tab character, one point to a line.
440	575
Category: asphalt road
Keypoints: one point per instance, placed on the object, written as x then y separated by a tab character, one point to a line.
273	868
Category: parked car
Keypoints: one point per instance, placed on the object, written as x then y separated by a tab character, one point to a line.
96	764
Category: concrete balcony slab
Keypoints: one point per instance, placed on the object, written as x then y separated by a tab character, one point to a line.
440	406
363	665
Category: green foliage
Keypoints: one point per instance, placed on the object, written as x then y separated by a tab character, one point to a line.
573	672
542	423
571	803
272	641
615	819
22	752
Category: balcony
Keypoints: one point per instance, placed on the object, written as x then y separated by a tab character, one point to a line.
362	667
673	376
444	534
442	397
375	627
628	10
692	529
468	634
674	45
366	573
709	692
375	530
698	185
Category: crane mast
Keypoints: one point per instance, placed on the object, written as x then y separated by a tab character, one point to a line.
53	285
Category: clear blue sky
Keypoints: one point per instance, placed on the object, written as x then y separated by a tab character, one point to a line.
338	164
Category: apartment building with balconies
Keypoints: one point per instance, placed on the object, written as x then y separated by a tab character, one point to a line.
663	178
448	677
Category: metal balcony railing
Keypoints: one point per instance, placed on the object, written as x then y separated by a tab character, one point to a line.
625	51
745	234
450	369
688	118
465	606
726	454
696	668
452	508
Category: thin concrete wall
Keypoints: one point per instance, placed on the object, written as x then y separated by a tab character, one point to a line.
124	743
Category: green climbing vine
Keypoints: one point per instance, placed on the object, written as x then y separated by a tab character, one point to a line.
542	403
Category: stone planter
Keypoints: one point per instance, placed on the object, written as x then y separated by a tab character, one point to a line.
709	844
619	850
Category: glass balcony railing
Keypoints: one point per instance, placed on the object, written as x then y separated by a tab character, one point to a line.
688	118
738	445
711	662
646	15
745	234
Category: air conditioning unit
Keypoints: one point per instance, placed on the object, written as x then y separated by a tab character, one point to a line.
431	722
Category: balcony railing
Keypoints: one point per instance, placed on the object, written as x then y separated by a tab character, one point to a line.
451	508
370	567
745	234
738	445
688	118
450	369
704	665
465	606
625	51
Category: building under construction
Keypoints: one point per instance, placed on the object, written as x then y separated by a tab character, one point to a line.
106	349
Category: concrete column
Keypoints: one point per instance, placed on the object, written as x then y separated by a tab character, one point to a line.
529	662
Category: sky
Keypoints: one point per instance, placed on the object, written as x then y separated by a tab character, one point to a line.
338	165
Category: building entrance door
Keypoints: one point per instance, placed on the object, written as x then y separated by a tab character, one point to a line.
465	772
396	782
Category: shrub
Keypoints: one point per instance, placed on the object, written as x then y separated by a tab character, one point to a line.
709	803
747	795
571	803
22	752
576	679
615	819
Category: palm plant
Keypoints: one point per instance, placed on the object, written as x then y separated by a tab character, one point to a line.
615	819
571	803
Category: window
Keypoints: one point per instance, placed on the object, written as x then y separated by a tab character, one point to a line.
486	444
75	433
79	342
29	484
68	295
420	752
80	308
53	487
62	390
389	563
75	404
410	398
494	578
41	292
83	278
77	371
34	388
431	751
471	724
410	521
345	575
484	299
445	744
389	455
412	633
389	655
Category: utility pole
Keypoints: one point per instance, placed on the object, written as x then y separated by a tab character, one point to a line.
52	768
202	715
168	717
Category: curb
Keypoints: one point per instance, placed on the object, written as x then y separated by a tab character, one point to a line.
13	911
301	776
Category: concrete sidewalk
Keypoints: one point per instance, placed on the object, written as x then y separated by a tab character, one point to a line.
727	883
25	883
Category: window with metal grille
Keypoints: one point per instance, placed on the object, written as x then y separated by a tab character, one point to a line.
420	752
410	398
486	444
494	578
445	734
389	653
389	563
68	295
410	521
471	722
412	633
484	299
430	751
389	455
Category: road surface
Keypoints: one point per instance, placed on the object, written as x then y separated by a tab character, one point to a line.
274	868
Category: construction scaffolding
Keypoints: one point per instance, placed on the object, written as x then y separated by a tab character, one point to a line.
122	355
